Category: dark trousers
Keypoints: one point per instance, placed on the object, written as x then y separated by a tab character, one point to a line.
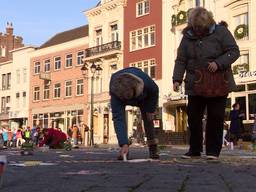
149	127
214	126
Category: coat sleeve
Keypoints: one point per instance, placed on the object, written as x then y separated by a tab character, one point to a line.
230	48
180	62
118	116
151	101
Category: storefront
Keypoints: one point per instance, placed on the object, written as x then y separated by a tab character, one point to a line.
62	119
245	96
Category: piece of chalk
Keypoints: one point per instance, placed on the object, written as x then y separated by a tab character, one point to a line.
125	157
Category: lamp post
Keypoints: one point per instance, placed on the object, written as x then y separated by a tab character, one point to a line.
96	71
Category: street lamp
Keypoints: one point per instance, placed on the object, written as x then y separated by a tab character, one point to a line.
95	70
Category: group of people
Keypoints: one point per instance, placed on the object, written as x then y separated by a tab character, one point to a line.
52	137
16	138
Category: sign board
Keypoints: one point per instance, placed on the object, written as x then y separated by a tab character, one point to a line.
247	74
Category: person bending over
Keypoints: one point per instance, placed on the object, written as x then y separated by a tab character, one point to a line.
131	86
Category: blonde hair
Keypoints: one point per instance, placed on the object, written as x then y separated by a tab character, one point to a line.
200	17
124	86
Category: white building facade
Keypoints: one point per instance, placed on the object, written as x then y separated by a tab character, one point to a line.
20	81
105	50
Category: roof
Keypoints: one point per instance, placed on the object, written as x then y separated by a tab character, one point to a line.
66	36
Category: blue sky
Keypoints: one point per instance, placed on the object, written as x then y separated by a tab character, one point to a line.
38	20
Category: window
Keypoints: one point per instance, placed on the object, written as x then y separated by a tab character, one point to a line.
80	87
99	38
57	90
24	75
112	68
68	88
36	93
17	100
68	60
252	105
251	86
8	80
148	66
241	19
4	80
114	32
46	92
3	104
47	65
240	88
18	76
8	101
142	38
2	51
37	67
80	57
142	8
57	63
242	64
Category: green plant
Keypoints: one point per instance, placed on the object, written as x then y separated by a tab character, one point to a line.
174	20
241	31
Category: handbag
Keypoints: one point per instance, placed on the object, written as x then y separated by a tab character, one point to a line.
209	84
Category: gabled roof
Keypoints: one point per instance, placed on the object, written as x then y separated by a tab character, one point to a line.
66	36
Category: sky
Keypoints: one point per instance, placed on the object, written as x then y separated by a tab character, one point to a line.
38	20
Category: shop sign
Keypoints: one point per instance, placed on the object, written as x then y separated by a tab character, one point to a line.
247	74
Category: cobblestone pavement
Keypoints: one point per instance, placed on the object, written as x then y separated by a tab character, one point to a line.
96	170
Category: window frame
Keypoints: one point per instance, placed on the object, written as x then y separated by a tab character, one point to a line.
67	60
36	94
57	89
79	86
37	67
55	62
68	88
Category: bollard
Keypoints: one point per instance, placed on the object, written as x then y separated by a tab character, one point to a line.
3	162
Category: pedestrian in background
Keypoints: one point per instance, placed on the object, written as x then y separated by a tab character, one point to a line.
19	138
235	123
131	86
207	50
5	137
75	132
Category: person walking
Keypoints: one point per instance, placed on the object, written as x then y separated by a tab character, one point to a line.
75	132
19	138
206	53
236	118
131	86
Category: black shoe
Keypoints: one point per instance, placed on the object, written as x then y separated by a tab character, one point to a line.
190	155
153	152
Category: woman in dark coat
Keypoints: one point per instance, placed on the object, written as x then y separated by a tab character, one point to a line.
236	124
212	47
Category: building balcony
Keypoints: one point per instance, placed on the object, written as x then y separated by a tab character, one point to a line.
107	50
45	76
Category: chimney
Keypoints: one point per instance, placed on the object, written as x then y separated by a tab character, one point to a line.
9	29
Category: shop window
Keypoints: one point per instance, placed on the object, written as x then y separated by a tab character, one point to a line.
251	86
240	88
252	105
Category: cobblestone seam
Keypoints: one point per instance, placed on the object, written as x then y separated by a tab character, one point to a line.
228	185
183	184
135	187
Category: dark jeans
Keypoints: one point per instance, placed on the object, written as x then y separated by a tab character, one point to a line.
214	126
148	126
